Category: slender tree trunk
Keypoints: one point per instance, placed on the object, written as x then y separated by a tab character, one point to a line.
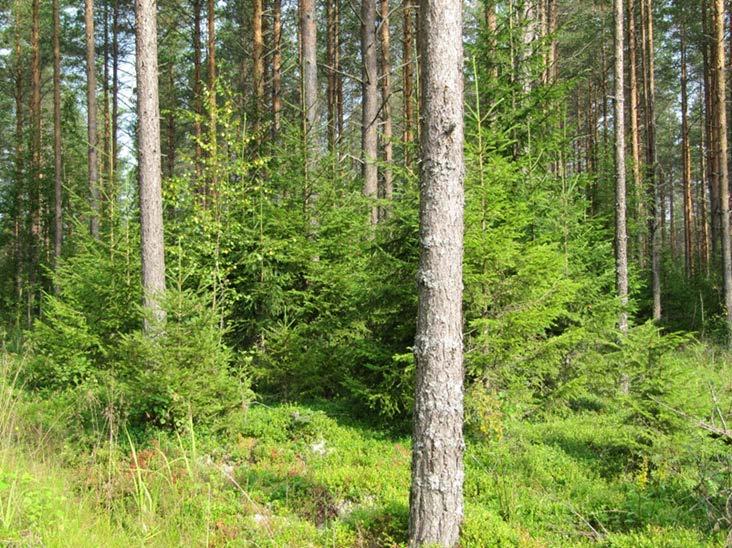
115	92
387	182
105	189
369	104
212	103
151	201
35	157
707	48
308	32
333	54
491	25
197	91
704	247
91	101
721	116
408	11
20	174
58	175
258	61
170	153
436	498
655	219
276	67
553	15
635	130
621	229
689	251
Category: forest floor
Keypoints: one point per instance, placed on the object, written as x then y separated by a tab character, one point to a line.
312	475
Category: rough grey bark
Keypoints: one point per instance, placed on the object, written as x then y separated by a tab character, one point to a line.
91	101
387	181
369	104
721	116
151	201
58	183
621	229
436	502
408	12
308	32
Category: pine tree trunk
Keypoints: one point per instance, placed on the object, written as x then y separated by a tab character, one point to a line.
707	48
197	92
212	104
369	104
151	202
58	175
621	229
115	91
19	159
105	186
689	251
308	43
387	183
436	502
276	67
91	101
408	10
35	159
721	116
170	153
635	131
655	231
333	54
258	61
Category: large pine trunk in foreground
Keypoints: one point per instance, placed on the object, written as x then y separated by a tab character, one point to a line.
621	229
721	117
436	498
369	103
151	201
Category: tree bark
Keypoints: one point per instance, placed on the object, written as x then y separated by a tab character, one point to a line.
19	158
91	101
115	90
408	11
621	229
369	104
58	175
689	251
308	31
197	92
387	181
151	201
276	67
212	105
258	61
333	54
721	116
635	139
35	158
653	188
436	502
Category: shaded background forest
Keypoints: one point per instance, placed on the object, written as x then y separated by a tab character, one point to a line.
291	202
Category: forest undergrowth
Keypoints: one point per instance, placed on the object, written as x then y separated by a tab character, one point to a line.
600	473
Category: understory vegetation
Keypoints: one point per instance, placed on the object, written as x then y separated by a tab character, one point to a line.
621	472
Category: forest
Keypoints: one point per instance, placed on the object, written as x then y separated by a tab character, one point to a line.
365	273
